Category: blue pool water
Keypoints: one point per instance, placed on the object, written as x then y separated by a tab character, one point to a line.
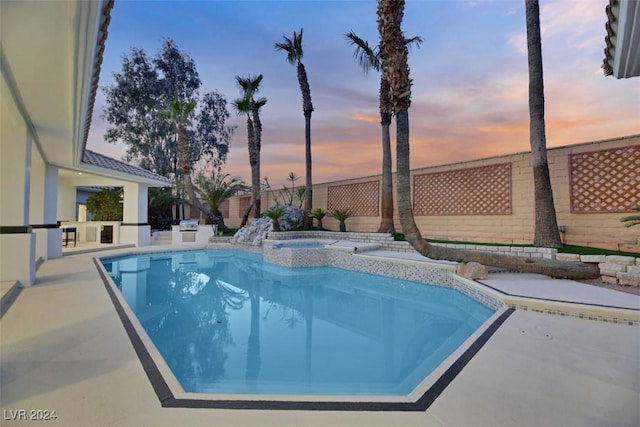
225	322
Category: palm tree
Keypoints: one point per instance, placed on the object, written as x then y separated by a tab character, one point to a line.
216	189
274	214
546	232
179	113
396	72
250	106
342	215
318	214
370	58
293	48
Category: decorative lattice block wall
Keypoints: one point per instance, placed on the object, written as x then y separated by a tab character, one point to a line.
605	181
243	205
224	209
483	190
362	199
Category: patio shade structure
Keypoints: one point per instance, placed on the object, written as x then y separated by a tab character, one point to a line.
50	56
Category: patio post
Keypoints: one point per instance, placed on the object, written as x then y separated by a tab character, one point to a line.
44	209
135	227
17	242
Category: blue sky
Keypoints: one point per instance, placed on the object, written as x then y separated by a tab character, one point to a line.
470	93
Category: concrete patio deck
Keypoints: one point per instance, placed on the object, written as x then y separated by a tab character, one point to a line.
64	349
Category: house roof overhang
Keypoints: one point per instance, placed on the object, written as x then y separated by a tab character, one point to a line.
51	54
622	51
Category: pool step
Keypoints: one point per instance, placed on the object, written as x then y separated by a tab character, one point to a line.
10	291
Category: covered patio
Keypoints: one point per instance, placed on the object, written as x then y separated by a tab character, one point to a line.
50	55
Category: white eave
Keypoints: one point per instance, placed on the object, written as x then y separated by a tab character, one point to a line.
51	54
622	51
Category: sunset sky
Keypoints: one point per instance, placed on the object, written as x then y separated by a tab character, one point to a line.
470	92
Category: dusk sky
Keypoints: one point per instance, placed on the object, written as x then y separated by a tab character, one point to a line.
470	92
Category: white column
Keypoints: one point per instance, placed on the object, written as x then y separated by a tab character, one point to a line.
66	200
135	228
17	242
43	208
54	234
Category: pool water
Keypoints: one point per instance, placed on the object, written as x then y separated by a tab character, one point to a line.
225	322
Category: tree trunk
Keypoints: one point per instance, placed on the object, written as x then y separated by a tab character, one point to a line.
245	216
254	162
396	70
255	165
307	109
308	192
217	213
546	232
196	202
255	190
553	268
386	202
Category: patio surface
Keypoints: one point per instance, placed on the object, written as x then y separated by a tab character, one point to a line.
64	348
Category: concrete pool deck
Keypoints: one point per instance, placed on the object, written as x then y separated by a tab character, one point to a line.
64	349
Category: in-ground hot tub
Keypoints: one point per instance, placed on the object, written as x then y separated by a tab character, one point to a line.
296	253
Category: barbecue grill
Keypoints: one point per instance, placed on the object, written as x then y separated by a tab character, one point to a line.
189	225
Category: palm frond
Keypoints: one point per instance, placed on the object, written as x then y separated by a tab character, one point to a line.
632	220
217	188
366	56
292	46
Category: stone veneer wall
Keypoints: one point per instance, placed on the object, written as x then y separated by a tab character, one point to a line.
491	200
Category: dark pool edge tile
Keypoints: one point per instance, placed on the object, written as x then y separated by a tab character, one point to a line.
168	400
154	375
456	367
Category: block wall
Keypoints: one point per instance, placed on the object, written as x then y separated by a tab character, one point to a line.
595	184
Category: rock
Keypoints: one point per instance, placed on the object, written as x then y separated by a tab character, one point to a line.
253	233
472	270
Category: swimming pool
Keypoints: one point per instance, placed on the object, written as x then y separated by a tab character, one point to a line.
227	323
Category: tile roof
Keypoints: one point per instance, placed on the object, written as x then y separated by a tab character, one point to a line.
96	159
90	157
97	65
611	25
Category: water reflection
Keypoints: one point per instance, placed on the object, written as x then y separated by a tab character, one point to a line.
225	322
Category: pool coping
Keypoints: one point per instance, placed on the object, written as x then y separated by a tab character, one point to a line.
170	393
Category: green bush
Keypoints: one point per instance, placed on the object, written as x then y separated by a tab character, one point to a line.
106	205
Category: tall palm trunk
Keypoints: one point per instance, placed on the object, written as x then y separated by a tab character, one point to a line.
255	173
546	232
183	144
307	108
386	202
255	164
396	71
183	147
308	191
293	48
251	107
